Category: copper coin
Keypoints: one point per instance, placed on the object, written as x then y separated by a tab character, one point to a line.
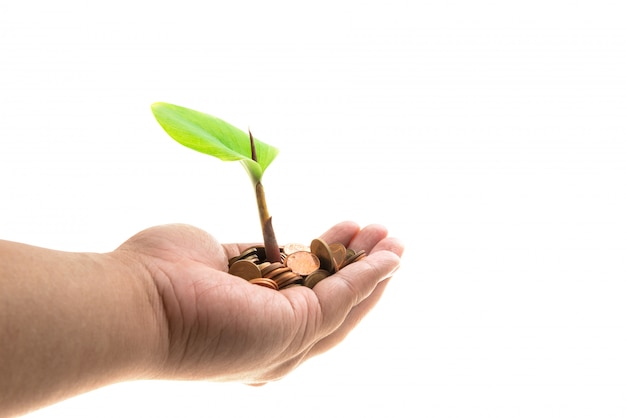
262	281
260	253
338	250
323	252
287	286
294	247
270	267
250	254
302	262
277	272
359	255
263	265
315	277
287	279
245	269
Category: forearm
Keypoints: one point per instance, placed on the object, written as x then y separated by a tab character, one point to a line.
69	323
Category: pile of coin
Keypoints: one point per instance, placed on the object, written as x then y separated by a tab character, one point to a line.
300	265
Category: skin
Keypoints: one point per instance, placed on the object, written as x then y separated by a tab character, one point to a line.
162	306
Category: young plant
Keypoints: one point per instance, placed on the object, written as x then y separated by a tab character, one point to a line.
210	135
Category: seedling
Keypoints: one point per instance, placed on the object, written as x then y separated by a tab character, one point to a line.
213	136
210	135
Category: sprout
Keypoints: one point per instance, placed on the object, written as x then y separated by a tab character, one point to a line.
213	136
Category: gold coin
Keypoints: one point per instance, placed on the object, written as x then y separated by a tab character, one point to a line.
294	247
245	269
302	262
324	254
262	281
315	277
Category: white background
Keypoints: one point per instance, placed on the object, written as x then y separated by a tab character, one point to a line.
489	136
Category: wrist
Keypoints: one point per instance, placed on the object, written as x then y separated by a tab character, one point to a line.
144	342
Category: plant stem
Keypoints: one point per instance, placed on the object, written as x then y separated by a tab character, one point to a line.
272	252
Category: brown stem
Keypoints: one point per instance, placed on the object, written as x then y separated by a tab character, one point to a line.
272	252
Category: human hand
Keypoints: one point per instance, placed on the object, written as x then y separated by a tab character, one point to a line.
216	326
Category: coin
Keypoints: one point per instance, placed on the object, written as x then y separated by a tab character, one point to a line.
359	255
338	251
287	279
270	267
287	286
315	277
260	253
300	265
302	262
263	265
277	272
323	252
262	281
294	247
245	269
250	253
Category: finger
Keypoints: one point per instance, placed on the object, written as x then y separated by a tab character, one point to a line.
233	250
339	293
359	311
343	232
352	320
389	244
368	237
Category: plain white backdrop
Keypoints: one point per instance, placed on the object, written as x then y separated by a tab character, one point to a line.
489	136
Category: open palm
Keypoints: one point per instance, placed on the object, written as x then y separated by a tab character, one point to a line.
220	327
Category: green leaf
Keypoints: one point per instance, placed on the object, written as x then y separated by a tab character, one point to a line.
213	136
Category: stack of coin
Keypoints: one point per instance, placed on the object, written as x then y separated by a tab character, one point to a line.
300	265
